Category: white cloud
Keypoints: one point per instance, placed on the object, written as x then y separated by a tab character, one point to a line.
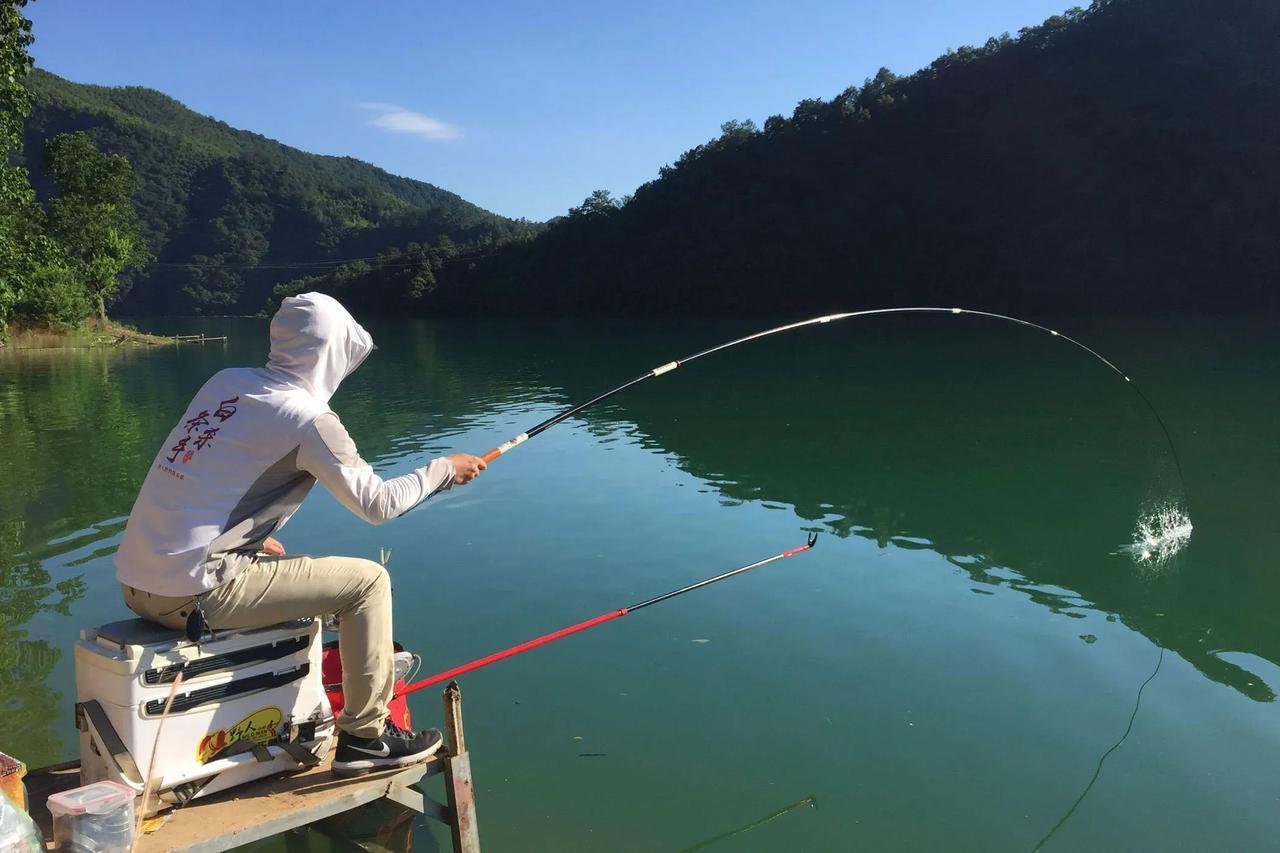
394	118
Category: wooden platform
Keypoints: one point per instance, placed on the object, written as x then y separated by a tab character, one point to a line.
271	806
251	812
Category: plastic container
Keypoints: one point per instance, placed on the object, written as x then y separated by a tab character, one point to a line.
17	833
94	818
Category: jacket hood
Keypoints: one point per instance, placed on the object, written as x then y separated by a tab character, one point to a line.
317	343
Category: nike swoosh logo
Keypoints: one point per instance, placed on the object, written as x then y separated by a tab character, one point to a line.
381	753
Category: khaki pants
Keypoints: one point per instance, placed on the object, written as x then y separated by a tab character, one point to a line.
277	589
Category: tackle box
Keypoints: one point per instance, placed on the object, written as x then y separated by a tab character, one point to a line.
248	701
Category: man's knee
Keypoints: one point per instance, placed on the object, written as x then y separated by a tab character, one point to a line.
373	578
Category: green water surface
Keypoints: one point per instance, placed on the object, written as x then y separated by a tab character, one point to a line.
945	671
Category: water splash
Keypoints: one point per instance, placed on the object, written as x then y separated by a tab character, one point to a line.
1159	536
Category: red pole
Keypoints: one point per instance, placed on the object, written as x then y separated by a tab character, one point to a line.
514	650
591	623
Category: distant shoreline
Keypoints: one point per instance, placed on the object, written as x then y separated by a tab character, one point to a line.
95	334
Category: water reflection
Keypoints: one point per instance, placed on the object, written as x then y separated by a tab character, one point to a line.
1006	456
1015	461
72	443
30	703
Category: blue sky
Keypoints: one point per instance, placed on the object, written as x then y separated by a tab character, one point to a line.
522	108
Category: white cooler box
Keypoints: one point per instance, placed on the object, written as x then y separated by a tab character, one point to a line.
251	704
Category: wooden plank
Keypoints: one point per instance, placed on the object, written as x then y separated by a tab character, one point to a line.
462	803
407	797
457	769
454	739
250	812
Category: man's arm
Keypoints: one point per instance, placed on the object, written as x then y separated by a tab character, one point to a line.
328	454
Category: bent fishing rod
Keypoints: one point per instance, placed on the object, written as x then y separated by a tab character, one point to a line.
507	446
598	620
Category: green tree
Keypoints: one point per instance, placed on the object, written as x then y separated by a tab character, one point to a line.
15	98
16	196
599	203
93	217
738	131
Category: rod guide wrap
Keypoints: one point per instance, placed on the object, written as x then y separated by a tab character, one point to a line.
519	439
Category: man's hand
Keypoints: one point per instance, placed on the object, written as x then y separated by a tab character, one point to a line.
272	547
466	467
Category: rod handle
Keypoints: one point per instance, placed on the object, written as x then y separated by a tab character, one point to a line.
504	447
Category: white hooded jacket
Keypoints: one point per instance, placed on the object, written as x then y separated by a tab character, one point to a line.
248	450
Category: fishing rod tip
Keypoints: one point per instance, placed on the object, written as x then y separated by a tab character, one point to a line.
813	540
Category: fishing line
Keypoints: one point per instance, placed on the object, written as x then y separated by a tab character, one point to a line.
1159	534
1097	771
810	801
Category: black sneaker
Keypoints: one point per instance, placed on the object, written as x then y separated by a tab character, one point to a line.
395	748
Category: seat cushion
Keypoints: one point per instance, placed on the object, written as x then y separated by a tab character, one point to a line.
142	632
138	632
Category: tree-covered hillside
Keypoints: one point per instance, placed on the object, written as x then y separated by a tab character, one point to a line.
226	212
1124	157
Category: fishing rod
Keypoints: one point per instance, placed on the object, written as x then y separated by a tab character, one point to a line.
598	620
507	446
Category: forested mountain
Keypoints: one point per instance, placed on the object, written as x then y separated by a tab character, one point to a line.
1120	158
226	212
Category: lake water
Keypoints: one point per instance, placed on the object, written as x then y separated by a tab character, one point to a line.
946	670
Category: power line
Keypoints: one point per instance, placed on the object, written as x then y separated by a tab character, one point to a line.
318	266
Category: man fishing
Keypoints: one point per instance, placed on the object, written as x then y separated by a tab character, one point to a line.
198	548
